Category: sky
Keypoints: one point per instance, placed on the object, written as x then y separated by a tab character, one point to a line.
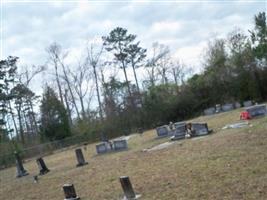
28	27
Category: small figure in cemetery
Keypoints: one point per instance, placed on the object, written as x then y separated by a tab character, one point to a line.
190	132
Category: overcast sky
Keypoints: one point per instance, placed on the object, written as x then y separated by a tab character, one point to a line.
28	28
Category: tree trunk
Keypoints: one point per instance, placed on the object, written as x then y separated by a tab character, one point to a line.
58	84
98	94
136	81
68	108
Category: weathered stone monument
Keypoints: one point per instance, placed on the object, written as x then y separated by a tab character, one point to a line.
179	131
69	192
162	131
42	166
237	105
120	145
209	111
257	110
104	147
80	158
227	107
126	185
20	169
247	103
200	129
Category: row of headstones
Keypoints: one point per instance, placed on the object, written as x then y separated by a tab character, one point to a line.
179	131
21	171
226	107
108	146
70	192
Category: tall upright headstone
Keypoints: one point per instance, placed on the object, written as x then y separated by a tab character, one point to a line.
127	188
42	166
80	158
69	192
20	169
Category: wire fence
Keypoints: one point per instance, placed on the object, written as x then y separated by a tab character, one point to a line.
48	148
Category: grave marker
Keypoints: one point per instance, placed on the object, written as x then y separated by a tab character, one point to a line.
257	110
200	129
227	107
20	169
69	192
237	105
104	147
127	188
179	131
120	144
162	131
80	158
209	111
247	103
42	166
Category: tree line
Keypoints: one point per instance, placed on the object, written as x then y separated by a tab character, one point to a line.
90	98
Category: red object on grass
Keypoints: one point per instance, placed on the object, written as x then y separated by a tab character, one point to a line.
245	115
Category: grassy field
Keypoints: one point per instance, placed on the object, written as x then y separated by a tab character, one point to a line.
229	164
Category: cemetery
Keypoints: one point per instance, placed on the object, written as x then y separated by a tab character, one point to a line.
164	165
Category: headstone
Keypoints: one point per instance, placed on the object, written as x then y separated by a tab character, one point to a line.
209	111
20	169
104	147
127	188
42	166
237	105
257	110
179	131
227	107
120	144
218	108
162	131
200	129
247	103
69	192
80	158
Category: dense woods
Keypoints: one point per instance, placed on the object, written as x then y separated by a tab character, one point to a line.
91	99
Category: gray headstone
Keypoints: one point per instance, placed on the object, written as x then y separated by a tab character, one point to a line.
247	103
200	129
209	111
237	105
162	131
69	192
80	158
180	130
104	147
227	107
127	187
257	110
42	166
120	144
20	169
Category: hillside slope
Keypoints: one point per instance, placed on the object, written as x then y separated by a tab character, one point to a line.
229	164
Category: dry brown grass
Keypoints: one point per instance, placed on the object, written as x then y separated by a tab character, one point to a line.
229	164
